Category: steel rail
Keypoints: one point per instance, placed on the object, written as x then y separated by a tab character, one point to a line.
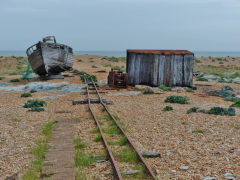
113	162
149	170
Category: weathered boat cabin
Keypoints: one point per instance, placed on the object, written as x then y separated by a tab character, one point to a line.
156	67
48	57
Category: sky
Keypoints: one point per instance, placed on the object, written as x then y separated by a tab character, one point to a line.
116	25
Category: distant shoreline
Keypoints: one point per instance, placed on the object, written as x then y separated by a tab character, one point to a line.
123	53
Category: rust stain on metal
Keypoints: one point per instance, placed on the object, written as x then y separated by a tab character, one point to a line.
163	52
117	79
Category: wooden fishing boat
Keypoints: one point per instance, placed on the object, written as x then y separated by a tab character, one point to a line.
48	57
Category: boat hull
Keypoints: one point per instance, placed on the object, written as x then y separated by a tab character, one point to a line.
50	58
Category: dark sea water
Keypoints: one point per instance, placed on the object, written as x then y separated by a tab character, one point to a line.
123	53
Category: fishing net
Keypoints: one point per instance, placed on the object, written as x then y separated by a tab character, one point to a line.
28	72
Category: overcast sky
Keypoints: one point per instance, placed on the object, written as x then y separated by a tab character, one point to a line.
212	25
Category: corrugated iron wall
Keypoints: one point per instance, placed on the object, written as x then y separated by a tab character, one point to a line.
155	69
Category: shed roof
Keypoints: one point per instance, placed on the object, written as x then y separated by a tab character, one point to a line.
165	52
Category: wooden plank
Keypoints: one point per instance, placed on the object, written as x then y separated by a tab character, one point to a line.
188	70
93	101
167	69
178	70
155	70
131	68
137	71
162	61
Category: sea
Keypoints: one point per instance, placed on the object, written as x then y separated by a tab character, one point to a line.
123	53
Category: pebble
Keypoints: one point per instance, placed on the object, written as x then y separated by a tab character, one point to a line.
183	168
101	160
151	154
229	176
236	80
210	76
210	178
131	172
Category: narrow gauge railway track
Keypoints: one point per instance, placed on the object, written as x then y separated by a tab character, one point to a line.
114	163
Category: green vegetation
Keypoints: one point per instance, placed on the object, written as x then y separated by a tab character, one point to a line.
177	99
33	91
94	131
112	130
93	66
198	131
26	95
79	60
114	59
201	79
80	175
190	90
164	88
191	110
107	117
15	120
36	109
168	108
19	57
79	72
127	155
34	103
227	88
83	159
14	80
235	75
1	78
88	78
236	103
226	91
118	68
2	141
78	144
116	117
98	138
221	62
38	152
77	120
208	69
222	111
214	110
236	127
123	141
147	91
230	99
107	65
197	61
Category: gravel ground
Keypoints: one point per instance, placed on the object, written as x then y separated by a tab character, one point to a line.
213	153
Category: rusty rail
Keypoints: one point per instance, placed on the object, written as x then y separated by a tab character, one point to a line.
113	162
148	169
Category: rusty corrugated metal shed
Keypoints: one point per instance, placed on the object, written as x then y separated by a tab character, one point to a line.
162	52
